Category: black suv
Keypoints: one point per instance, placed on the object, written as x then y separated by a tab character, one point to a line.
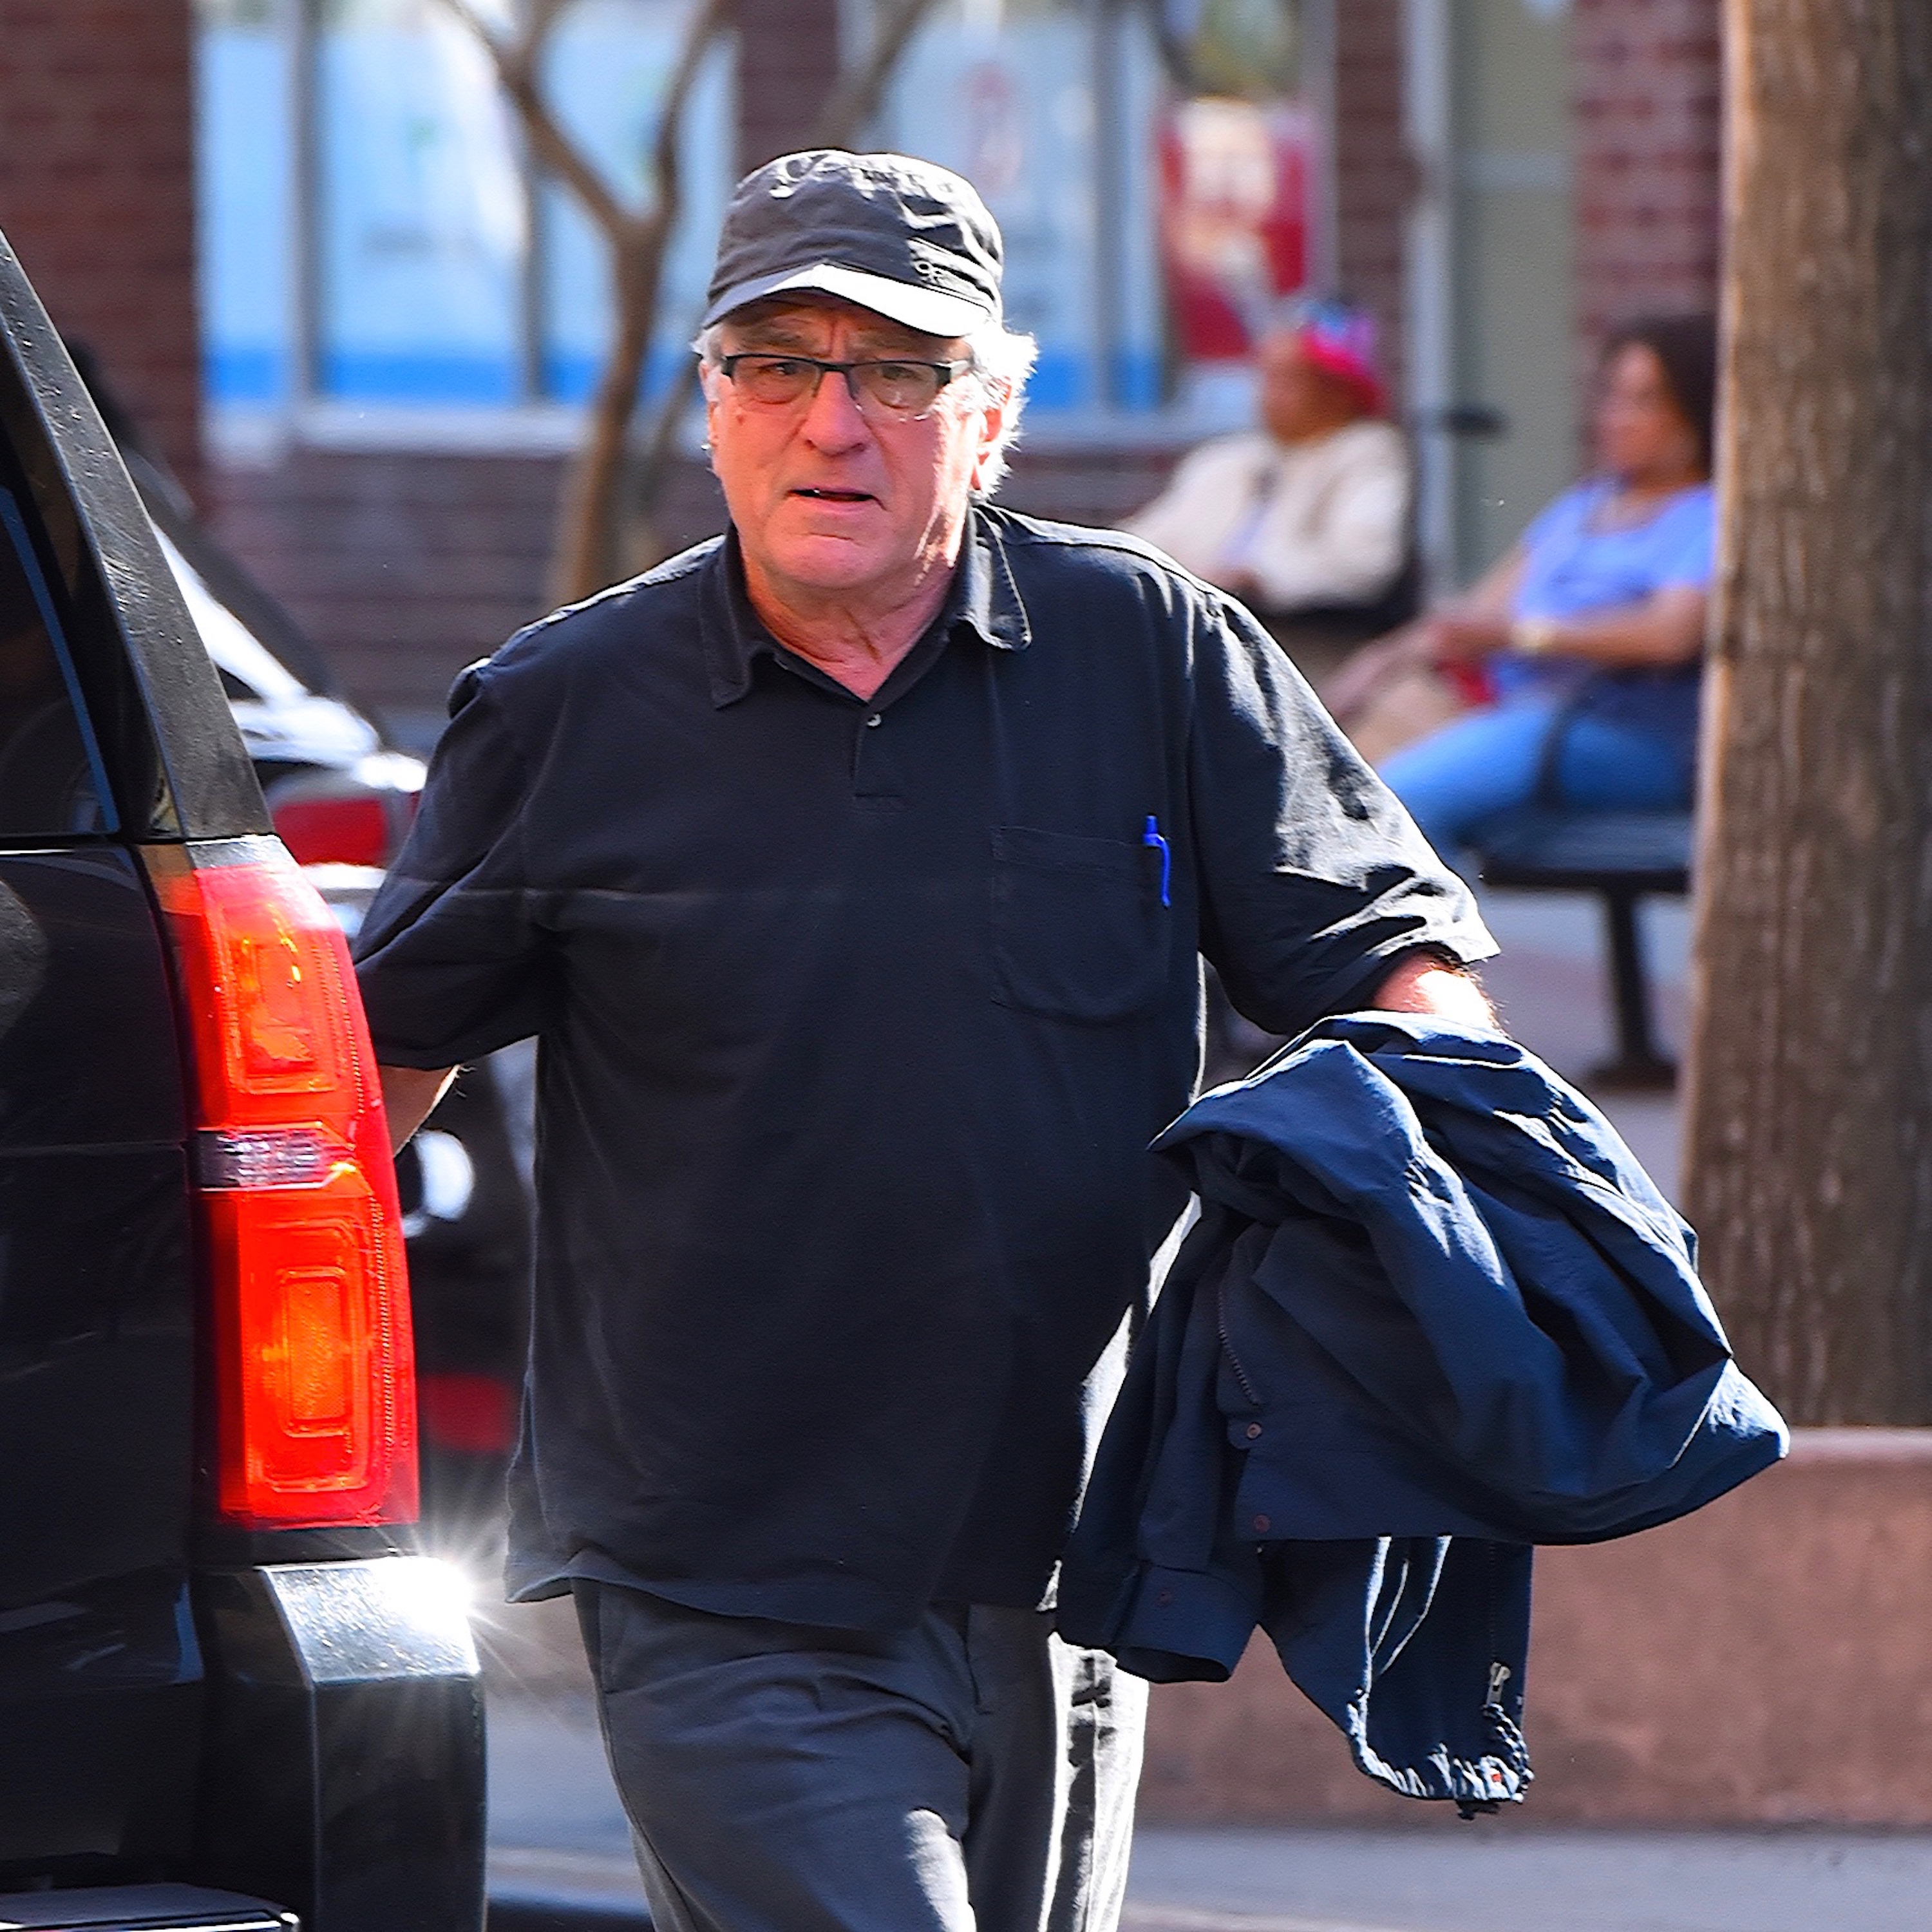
231	1693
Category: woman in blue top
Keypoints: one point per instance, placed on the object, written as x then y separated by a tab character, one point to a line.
1585	639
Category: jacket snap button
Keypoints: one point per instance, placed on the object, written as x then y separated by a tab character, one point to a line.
1261	1524
1254	1430
875	719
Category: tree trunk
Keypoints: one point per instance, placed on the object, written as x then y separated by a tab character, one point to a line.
587	553
1810	1127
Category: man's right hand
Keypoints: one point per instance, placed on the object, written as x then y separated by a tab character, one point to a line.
409	1094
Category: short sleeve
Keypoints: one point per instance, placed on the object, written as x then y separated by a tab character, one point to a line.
1561	519
1312	878
1688	545
450	962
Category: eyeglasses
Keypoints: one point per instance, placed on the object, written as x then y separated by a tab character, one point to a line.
903	391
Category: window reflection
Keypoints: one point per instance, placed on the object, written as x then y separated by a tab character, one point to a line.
48	781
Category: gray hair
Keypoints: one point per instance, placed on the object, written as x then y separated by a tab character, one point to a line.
1002	360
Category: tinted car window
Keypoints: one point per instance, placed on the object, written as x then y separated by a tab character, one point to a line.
50	778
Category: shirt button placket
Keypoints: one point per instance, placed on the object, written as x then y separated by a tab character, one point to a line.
871	774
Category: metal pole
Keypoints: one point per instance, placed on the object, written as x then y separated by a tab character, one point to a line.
1316	57
306	190
532	270
1428	105
1107	139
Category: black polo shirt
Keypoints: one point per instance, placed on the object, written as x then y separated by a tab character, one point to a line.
856	1019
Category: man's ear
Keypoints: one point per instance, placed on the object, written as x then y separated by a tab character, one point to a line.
992	420
711	381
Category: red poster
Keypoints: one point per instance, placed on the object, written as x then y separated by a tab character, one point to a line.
1237	181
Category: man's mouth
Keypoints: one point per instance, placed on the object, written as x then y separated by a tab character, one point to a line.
836	496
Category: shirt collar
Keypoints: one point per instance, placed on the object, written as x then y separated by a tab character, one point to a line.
983	598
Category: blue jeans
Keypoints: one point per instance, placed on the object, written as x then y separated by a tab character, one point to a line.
1457	779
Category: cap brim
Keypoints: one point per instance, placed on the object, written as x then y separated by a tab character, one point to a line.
929	311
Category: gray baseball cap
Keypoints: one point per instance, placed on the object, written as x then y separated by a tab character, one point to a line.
908	240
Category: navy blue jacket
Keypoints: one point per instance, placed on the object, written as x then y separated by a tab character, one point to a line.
1433	1313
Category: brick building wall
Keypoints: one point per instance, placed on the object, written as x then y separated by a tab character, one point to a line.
404	566
1648	88
788	66
97	194
1375	175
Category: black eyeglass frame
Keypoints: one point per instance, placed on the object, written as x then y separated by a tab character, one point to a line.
946	372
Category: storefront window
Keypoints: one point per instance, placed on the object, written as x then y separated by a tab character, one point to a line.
373	230
243	156
1241	211
1047	108
610	63
422	222
1155	166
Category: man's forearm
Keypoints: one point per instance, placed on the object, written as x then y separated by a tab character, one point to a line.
409	1094
1426	982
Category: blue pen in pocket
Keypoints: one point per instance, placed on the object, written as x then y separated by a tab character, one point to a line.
1151	836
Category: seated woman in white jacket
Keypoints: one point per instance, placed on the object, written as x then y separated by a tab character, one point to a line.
1305	519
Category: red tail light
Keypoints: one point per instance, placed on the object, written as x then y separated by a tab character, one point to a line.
351	831
315	1397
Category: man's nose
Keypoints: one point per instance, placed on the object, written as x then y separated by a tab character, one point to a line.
833	420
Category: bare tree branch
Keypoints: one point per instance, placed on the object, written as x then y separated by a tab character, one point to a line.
660	449
585	554
518	63
637	239
667	176
857	100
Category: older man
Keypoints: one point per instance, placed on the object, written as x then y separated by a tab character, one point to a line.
852	871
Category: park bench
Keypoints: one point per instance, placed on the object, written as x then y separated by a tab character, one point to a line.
1622	857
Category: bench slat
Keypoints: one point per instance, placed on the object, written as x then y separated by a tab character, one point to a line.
1584	851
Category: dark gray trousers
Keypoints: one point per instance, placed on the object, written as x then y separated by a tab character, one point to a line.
972	1774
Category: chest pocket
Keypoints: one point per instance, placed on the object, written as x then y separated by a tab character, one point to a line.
1078	931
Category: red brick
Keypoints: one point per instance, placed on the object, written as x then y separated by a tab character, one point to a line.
97	192
788	66
1647	78
1375	175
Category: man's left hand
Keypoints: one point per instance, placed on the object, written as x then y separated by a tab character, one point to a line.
1426	982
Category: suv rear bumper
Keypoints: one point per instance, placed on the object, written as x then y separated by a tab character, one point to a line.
140	1908
345	1767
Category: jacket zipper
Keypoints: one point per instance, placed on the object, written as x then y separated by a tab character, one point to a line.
1227	1347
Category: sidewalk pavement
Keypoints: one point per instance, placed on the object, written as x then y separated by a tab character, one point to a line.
557	1833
